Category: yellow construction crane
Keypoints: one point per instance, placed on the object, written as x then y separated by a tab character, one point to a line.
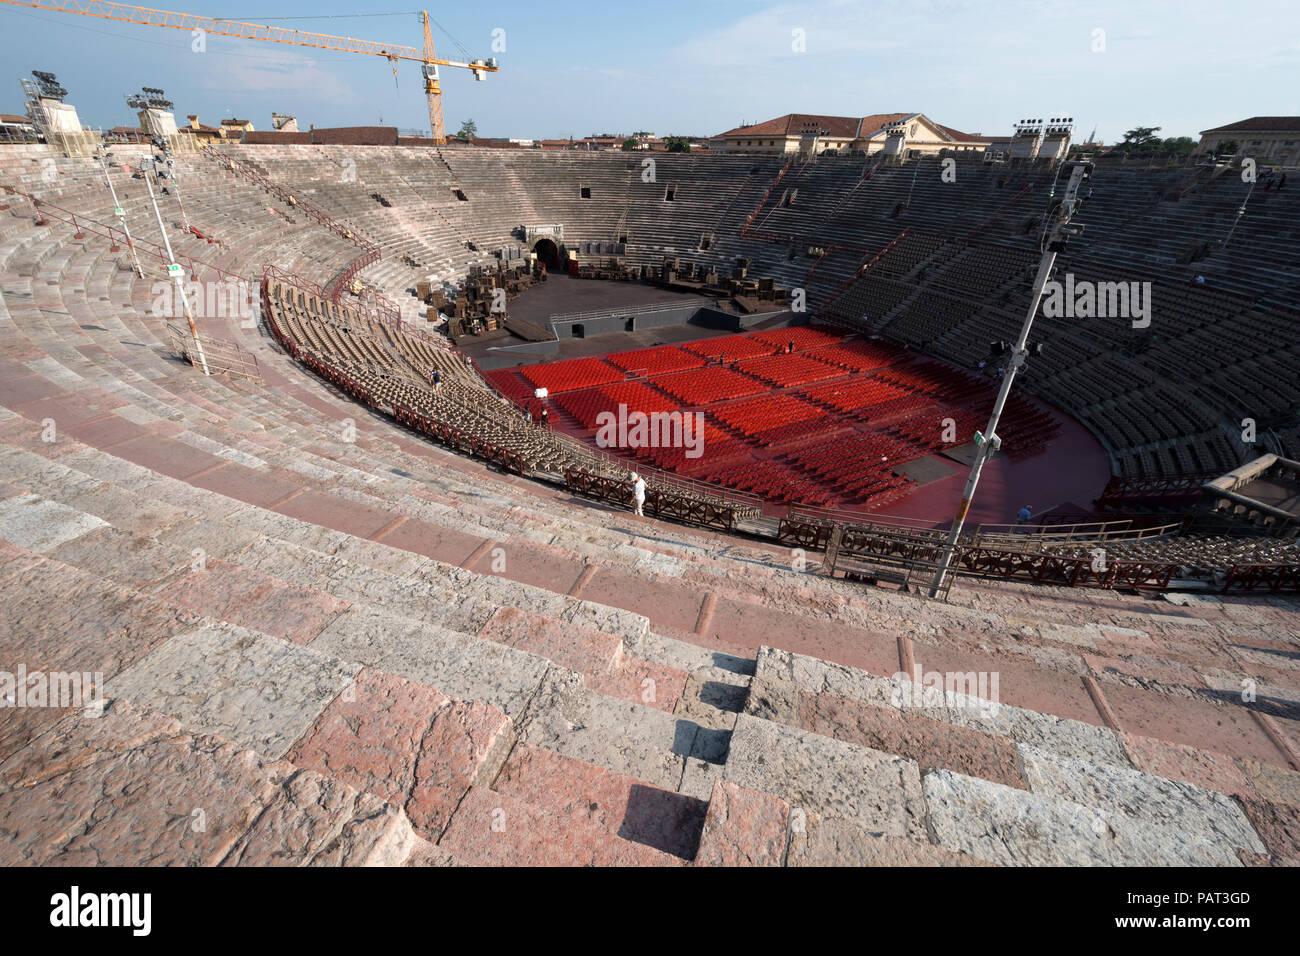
127	13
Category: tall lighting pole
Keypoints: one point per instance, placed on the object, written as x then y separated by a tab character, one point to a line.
174	271
117	208
1056	230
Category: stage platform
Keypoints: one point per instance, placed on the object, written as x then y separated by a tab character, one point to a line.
566	295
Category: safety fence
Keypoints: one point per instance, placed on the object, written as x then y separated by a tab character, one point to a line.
659	502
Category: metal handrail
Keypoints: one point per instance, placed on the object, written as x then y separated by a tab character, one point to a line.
1097	530
83	223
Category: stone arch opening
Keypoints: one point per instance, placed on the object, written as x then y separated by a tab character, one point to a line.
548	252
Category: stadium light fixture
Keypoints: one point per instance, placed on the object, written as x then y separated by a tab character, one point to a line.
1057	229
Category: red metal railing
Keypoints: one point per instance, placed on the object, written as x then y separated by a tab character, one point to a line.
1162	490
862	269
370	249
979	227
749	220
1263	577
84	224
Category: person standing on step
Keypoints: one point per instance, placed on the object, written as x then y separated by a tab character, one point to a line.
545	416
435	379
638	494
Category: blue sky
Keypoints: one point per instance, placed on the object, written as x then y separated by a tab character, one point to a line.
698	67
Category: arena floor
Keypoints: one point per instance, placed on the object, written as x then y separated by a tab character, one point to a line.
1066	474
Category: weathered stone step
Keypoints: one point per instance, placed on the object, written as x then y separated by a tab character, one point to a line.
340	719
407	743
133	787
601	658
459	665
931	743
1168	819
495	829
257	691
743	827
1014	827
817	841
624	737
623	805
851	691
462	665
819	775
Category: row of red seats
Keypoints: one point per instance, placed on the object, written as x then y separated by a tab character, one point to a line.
773	481
928	430
762	413
704	386
789	370
731	347
587	404
572	374
938	380
909	405
858	465
860	356
508	383
657	360
796	434
853	394
803	337
1027	428
895	488
718	452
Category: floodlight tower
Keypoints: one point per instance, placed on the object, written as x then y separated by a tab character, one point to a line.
1057	228
158	124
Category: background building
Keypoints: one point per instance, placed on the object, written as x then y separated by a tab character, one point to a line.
1271	139
903	135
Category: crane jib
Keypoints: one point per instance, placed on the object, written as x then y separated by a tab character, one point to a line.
129	13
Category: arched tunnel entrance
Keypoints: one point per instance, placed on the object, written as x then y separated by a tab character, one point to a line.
549	253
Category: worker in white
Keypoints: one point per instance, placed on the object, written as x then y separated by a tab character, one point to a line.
638	492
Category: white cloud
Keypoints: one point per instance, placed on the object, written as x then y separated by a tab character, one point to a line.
247	66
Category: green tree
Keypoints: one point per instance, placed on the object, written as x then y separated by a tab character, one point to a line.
1178	145
468	130
678	144
630	144
1140	139
1228	148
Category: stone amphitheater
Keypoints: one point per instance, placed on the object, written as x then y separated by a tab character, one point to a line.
343	620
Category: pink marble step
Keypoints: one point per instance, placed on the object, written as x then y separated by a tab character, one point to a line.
407	743
134	788
743	828
616	803
600	657
931	743
494	829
